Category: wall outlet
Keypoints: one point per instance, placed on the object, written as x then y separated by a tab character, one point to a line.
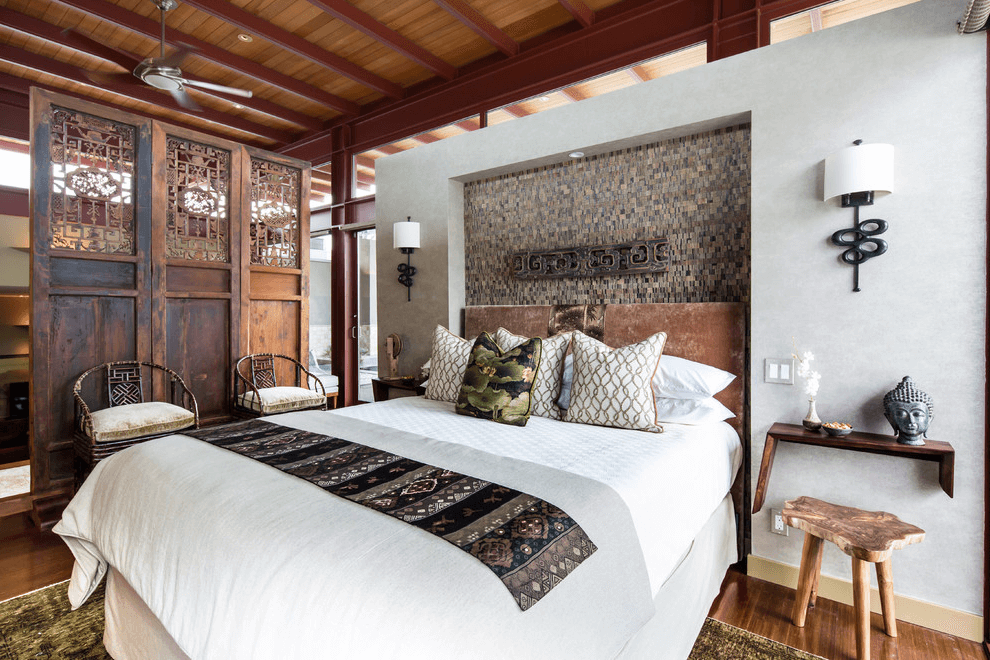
777	525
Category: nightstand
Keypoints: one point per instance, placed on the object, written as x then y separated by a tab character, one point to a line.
382	387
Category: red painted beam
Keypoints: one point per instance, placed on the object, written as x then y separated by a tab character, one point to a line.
16	147
516	111
579	11
83	44
473	19
137	92
16	117
426	138
367	25
137	23
615	41
572	94
364	161
295	44
315	186
14	201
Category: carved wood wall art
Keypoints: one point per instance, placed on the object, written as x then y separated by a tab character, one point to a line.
142	250
650	256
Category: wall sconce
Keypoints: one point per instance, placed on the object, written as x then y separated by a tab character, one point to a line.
405	239
855	173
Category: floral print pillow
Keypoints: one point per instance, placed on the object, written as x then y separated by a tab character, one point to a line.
497	383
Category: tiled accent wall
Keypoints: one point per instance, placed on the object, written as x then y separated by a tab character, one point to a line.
694	190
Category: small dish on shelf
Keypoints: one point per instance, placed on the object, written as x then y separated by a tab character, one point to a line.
837	428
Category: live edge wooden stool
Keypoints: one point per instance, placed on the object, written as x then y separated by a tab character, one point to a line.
867	537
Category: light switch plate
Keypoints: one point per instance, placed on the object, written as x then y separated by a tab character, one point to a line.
778	370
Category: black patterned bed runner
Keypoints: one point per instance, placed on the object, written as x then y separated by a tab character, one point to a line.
530	544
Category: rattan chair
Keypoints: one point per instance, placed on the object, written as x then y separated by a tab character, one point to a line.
257	392
130	419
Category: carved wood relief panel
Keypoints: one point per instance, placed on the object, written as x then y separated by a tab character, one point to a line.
197	221
92	201
275	213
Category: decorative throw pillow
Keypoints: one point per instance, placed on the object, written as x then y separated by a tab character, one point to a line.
447	363
497	383
691	411
546	387
678	378
613	387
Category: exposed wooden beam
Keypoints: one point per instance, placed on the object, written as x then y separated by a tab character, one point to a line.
516	111
293	43
366	179
319	187
364	161
579	11
636	75
137	92
473	19
135	22
572	94
367	25
83	44
467	125
426	138
388	149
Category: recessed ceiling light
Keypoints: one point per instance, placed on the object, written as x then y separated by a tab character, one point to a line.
576	154
238	106
544	98
246	38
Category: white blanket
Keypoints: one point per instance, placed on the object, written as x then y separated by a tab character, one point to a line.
238	560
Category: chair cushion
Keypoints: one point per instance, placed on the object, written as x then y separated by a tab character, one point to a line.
139	419
282	399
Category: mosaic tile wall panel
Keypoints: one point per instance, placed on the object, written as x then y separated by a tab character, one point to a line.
92	202
693	190
197	226
275	209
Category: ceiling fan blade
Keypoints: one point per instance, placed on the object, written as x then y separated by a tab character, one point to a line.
219	88
94	47
112	78
176	59
182	97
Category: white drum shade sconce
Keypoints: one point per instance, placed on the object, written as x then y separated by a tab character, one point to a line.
405	239
856	173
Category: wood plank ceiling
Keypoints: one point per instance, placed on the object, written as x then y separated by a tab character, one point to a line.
308	63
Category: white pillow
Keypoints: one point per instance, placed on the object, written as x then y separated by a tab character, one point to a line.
678	378
448	361
691	411
546	387
612	387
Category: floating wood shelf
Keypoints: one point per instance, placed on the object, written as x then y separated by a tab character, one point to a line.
871	443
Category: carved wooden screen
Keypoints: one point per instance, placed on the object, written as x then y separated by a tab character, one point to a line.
143	235
197	315
278	243
90	269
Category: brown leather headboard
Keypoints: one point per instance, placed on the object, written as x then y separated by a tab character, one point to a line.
711	333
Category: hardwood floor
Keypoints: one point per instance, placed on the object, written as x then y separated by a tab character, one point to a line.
764	608
31	559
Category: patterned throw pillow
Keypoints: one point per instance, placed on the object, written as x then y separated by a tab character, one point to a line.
447	363
497	383
546	387
613	387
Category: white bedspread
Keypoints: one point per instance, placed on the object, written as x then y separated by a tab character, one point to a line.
238	560
670	481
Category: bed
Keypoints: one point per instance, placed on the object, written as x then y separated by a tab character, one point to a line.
209	554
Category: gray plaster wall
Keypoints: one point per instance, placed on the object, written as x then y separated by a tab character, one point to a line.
903	77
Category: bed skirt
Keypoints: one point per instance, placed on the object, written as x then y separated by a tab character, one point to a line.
682	603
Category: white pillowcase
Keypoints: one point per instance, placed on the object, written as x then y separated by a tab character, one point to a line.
677	378
691	411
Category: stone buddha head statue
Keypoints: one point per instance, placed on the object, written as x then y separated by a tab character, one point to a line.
910	411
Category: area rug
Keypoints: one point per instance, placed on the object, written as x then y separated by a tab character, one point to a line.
39	625
15	481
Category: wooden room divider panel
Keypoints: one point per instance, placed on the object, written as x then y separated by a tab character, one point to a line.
153	242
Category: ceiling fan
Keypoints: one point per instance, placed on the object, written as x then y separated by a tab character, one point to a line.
160	72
